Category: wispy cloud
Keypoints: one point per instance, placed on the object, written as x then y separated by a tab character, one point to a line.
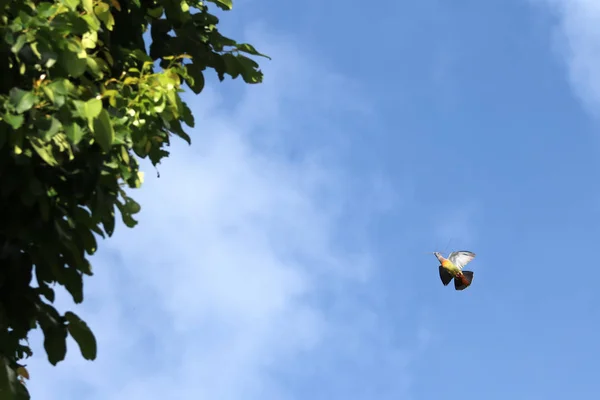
235	271
578	39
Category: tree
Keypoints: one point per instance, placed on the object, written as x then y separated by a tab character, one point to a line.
81	99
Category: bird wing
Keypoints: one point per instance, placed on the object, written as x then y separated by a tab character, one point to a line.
461	258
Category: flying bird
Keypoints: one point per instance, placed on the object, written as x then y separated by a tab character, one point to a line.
452	268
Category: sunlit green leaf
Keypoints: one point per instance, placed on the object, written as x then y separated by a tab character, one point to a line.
223	4
21	40
72	4
74	132
14	120
92	108
44	151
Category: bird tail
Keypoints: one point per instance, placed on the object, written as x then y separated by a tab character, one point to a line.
464	280
445	276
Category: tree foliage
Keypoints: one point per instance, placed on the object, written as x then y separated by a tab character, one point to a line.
81	100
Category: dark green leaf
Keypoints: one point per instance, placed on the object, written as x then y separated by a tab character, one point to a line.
45	9
155	12
249	70
22	100
248	48
89	241
55	333
10	387
46	291
132	206
108	222
74	65
187	117
178	130
82	334
196	83
127	209
232	66
73	282
103	131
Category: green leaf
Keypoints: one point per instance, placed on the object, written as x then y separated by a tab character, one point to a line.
10	387
22	100
46	291
88	239
55	333
248	48
45	10
92	108
74	132
127	209
88	6
102	10
73	282
71	4
55	344
178	130
53	129
16	121
103	130
56	92
155	13
232	66
89	40
196	77
108	222
74	65
43	150
187	116
249	70
82	334
132	206
95	66
223	4
21	40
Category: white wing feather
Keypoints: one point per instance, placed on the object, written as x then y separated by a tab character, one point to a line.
461	258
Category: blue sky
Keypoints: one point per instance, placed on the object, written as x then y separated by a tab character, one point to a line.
284	254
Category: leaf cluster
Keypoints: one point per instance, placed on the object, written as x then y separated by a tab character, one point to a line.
82	99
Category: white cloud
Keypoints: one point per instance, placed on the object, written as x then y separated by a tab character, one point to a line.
579	40
219	288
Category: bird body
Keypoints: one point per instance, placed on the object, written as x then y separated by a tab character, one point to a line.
452	268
